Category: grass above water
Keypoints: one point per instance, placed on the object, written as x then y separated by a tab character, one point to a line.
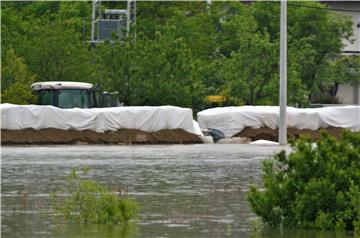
87	201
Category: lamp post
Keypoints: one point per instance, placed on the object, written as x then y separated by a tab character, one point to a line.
93	14
283	75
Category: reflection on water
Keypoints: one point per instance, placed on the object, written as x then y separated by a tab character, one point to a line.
104	231
183	190
268	233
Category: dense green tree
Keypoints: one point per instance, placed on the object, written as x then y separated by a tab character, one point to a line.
17	79
157	72
343	69
314	39
56	53
184	50
247	71
316	186
48	37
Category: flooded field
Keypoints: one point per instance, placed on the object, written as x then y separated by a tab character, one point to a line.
183	190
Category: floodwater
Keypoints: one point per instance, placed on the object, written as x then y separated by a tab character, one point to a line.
183	190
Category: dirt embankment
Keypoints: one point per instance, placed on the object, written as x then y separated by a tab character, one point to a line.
121	136
266	133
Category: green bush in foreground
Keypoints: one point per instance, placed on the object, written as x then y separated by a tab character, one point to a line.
86	201
316	186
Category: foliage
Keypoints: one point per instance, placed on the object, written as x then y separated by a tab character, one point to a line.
159	71
17	80
86	201
184	51
315	186
344	69
311	49
244	78
56	53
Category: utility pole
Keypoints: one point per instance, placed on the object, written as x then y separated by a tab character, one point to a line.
283	75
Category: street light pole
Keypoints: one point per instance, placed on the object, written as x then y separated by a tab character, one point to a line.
283	75
93	14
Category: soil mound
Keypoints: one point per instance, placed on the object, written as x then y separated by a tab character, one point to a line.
121	136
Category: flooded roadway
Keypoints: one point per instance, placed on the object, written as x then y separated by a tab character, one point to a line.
183	190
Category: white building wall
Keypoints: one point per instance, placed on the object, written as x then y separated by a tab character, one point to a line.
348	94
353	8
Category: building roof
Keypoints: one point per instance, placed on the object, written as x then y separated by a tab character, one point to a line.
60	85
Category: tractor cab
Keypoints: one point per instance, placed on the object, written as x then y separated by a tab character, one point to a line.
71	94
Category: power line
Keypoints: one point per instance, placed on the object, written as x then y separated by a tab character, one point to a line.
322	8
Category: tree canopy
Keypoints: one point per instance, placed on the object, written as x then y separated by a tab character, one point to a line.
184	51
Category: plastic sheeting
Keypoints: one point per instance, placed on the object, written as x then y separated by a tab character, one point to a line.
151	119
264	142
232	120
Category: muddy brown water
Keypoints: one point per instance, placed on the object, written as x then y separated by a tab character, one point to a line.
184	190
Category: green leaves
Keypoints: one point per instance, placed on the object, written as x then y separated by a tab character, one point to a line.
158	71
16	79
86	201
47	37
315	186
186	51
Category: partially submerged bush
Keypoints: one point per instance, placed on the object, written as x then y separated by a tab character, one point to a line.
86	201
316	186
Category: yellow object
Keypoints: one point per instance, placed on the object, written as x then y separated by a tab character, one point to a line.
216	98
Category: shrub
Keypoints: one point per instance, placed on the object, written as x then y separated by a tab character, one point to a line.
86	201
315	186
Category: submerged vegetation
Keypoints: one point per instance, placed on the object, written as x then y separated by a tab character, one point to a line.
86	201
184	51
316	186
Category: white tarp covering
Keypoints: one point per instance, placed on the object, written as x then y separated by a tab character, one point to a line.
264	142
232	120
151	119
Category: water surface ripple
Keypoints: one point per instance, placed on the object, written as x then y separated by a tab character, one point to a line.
183	190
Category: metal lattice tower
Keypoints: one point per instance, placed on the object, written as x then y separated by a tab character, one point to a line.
112	24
